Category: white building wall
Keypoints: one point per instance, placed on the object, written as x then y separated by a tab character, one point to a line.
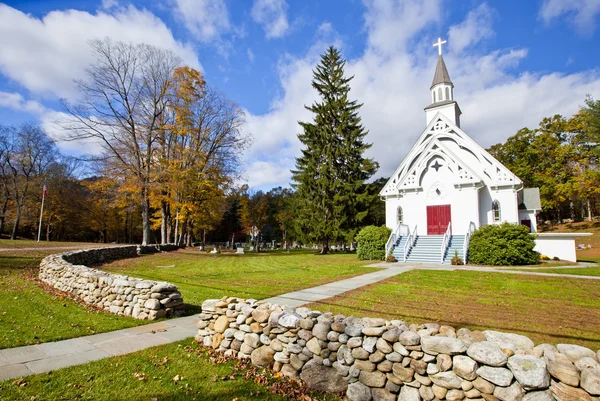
509	211
448	110
560	247
529	215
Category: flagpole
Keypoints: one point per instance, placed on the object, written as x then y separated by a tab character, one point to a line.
41	213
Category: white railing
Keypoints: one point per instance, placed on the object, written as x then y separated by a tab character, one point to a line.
401	229
410	241
445	241
467	239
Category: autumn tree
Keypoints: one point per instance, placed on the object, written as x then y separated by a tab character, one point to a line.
254	214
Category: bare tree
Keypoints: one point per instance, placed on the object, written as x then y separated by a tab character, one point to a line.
6	152
124	98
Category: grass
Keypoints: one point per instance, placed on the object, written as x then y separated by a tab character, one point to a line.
546	309
579	271
201	276
28	243
147	375
30	315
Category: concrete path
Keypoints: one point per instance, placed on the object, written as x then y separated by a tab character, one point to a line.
31	359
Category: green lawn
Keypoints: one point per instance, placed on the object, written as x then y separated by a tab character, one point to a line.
201	276
148	375
29	315
546	309
580	271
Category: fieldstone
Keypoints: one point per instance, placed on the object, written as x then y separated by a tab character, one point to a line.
374	331
381	394
289	320
483	385
575	352
152	304
210	305
221	324
419	366
402	373
439	392
261	315
512	393
262	356
590	380
392	335
409	338
442	345
354	342
455	395
499	376
444	362
385	366
504	340
394	357
426	393
464	367
313	346
586	362
252	339
487	353
530	371
447	380
377	356
372	379
323	378
281	358
369	344
472	393
399	348
383	346
538	396
358	392
409	394
341	368
423	379
432	369
353	330
364	365
320	330
564	392
564	371
360	353
306	324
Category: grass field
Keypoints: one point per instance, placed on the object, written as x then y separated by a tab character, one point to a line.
148	375
546	309
580	271
29	315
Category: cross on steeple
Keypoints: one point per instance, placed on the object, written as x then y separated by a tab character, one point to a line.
439	44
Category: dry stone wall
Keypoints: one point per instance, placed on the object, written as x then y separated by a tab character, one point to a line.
121	295
380	360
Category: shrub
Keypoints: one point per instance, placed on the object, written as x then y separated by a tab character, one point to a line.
390	258
556	258
371	242
456	260
503	245
544	257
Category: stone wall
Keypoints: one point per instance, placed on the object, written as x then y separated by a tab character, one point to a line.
375	359
121	295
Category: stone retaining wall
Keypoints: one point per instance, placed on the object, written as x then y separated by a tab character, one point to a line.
121	295
375	359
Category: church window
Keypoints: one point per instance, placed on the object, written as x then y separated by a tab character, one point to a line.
496	211
440	94
400	216
433	96
447	93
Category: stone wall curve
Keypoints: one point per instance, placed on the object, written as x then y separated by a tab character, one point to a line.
381	360
121	295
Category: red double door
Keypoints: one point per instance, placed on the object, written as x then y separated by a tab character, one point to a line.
438	218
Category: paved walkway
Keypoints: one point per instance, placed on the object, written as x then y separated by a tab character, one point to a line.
32	359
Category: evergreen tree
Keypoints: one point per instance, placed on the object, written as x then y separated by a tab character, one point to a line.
329	176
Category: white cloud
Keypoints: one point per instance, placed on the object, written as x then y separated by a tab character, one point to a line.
208	20
392	79
16	101
474	29
45	55
580	13
108	4
271	14
250	54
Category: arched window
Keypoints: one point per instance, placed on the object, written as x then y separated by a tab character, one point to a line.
400	216
447	93
496	211
433	96
440	94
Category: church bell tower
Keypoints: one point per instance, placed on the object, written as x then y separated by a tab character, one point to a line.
442	92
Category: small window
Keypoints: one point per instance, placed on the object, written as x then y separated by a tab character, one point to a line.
400	216
496	211
433	96
447	93
440	94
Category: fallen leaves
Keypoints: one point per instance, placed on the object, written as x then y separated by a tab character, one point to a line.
20	382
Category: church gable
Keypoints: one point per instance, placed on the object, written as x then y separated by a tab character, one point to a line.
469	162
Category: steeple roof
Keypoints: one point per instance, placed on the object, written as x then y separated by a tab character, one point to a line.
441	75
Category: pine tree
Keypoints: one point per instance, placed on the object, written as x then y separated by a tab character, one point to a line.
329	176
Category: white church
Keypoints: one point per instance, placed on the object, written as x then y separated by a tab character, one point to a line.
448	185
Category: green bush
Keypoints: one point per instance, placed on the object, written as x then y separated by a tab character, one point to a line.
503	245
371	242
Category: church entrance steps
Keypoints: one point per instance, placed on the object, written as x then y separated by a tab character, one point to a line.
455	245
427	249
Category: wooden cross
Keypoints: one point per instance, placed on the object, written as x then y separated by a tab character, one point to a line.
439	44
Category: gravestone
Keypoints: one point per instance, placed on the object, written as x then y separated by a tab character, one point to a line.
240	251
214	250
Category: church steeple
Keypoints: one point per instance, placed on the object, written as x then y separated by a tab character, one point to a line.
442	91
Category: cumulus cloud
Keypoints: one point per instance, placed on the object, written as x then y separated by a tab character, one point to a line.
581	13
45	55
16	101
271	14
392	79
206	19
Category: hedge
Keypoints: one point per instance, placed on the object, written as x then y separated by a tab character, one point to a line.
503	245
371	242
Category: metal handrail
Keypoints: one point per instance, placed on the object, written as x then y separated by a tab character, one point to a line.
445	241
392	239
410	241
470	231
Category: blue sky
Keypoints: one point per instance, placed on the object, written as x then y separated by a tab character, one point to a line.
512	62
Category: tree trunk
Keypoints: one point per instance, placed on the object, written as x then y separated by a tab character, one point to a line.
164	214
325	248
145	216
48	231
16	225
589	209
5	206
176	238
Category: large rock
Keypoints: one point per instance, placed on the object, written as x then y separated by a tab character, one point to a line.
381	394
513	392
538	396
564	372
590	380
261	315
564	392
402	373
504	340
409	338
464	367
372	379
442	345
210	305
221	324
408	393
358	392
321	329
499	376
262	356
487	353
152	304
575	352
530	371
289	320
323	378
447	380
